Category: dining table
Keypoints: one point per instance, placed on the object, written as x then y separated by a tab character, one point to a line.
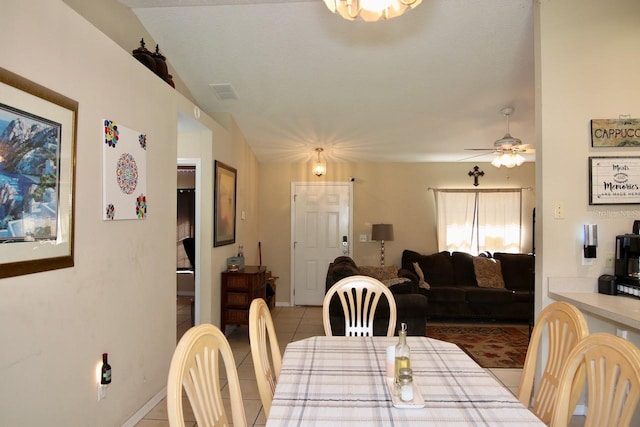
342	381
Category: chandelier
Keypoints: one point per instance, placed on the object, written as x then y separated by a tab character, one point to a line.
370	10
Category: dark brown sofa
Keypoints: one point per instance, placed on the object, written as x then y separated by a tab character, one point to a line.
411	305
454	292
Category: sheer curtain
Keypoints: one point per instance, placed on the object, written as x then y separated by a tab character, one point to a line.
474	221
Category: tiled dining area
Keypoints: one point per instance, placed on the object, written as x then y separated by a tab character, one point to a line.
291	324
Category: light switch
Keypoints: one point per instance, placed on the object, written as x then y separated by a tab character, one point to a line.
363	237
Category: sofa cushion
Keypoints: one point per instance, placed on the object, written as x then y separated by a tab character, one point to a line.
488	272
437	268
381	273
489	296
463	269
516	269
446	294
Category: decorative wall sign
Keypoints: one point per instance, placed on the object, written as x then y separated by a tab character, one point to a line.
615	132
124	172
224	225
614	180
37	177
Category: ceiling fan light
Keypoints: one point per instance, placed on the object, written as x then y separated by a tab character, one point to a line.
518	159
496	161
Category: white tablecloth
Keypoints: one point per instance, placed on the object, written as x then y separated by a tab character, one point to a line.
340	381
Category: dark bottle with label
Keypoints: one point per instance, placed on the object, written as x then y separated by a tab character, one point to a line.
105	378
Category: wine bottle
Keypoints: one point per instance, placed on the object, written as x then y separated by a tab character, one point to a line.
106	370
403	352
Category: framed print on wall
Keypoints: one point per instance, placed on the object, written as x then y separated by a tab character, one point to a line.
224	222
37	177
614	180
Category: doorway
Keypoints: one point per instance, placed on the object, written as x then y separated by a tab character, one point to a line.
187	246
321	231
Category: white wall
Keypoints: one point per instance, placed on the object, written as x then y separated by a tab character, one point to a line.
587	68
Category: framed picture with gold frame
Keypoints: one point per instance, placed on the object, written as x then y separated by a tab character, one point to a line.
224	224
37	177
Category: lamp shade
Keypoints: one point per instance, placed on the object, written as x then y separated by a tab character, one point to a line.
382	232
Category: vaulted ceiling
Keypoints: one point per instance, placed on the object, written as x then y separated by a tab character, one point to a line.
418	88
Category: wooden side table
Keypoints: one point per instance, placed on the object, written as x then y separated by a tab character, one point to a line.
239	288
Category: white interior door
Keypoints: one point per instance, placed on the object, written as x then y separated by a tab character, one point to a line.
321	231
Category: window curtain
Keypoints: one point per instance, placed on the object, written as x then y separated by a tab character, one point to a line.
474	221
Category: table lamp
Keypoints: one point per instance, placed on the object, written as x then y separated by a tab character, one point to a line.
382	232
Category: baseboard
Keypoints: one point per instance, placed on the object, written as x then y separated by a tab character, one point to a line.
135	418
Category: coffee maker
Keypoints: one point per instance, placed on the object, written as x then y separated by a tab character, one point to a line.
627	262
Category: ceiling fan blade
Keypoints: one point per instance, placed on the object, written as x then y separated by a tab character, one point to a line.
480	149
473	157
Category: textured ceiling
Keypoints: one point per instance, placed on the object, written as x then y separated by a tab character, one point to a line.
420	87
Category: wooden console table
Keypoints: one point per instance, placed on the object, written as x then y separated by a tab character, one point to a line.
239	288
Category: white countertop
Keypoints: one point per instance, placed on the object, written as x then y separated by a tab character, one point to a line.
617	308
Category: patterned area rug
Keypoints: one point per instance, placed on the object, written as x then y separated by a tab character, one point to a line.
490	346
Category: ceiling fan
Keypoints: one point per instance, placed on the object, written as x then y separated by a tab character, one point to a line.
507	148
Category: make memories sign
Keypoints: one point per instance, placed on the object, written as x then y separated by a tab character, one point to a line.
614	180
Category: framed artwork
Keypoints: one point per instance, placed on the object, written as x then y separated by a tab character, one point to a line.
224	224
37	177
614	180
124	181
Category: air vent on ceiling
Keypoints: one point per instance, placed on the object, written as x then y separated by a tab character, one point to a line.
224	91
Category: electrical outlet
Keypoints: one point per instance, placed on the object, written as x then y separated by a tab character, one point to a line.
558	212
102	391
363	237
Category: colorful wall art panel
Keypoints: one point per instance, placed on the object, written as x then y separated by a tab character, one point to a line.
124	172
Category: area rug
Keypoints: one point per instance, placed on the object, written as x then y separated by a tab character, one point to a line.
490	346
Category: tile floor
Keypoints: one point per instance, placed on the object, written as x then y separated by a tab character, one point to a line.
292	324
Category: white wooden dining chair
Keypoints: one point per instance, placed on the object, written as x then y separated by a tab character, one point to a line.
359	297
612	367
565	326
267	361
195	367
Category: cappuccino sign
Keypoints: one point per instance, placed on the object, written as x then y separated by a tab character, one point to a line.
615	132
614	180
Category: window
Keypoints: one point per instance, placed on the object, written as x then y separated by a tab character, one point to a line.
474	221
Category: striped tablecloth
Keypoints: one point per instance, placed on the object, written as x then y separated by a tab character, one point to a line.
340	381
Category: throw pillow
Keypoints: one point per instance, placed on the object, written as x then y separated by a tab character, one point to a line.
488	272
380	273
422	283
395	281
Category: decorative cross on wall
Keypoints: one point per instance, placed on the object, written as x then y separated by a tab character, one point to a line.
476	173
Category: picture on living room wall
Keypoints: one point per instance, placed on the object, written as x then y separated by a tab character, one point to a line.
614	180
615	132
124	154
224	224
37	171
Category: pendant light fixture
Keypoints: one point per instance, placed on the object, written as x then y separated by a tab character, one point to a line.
370	10
319	167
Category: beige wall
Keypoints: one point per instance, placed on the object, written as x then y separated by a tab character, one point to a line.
585	70
120	295
395	193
